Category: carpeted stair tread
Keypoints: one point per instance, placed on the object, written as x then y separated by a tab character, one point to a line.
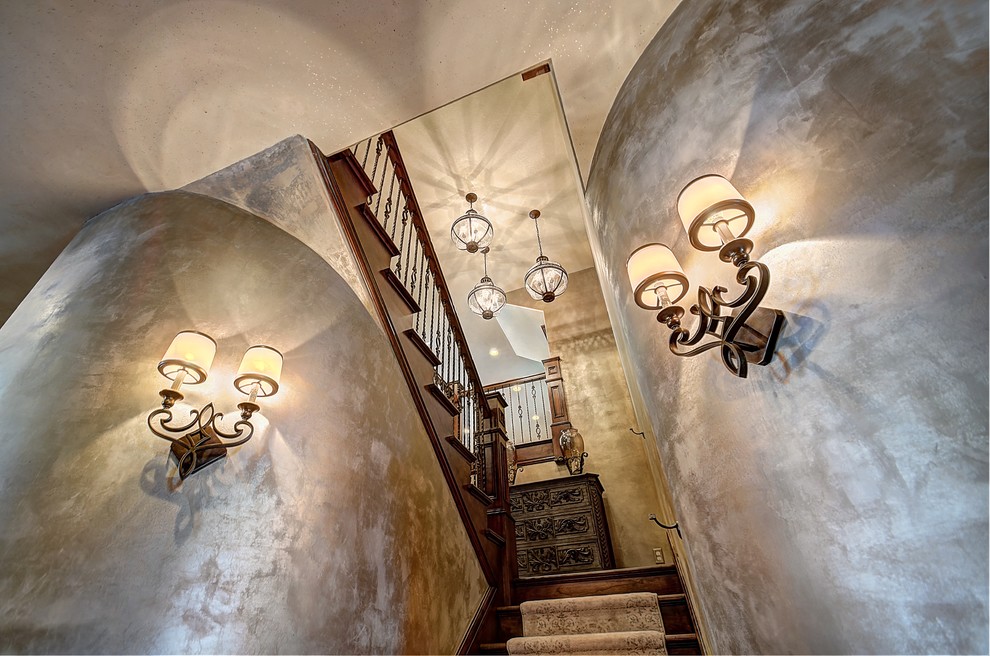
621	642
594	614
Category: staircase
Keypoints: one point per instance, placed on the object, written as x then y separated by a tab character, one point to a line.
662	580
381	219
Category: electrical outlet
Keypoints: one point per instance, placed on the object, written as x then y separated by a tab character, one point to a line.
658	556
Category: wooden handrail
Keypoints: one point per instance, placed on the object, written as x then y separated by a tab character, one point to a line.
515	381
395	156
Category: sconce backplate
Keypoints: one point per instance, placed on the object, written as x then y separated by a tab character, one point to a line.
210	450
758	336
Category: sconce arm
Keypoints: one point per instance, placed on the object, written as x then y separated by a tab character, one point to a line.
725	328
199	437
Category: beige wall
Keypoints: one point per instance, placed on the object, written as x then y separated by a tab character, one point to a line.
331	531
835	501
599	406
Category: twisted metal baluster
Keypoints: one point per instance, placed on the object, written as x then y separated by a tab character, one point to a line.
402	242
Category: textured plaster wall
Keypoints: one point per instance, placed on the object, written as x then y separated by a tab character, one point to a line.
331	531
599	406
835	501
282	184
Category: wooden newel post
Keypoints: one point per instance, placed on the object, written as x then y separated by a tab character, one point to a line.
560	421
500	512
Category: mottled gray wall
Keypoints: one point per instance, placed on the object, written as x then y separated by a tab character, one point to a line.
283	184
331	531
599	406
835	501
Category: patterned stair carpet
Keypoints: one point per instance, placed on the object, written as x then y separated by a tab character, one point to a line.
606	624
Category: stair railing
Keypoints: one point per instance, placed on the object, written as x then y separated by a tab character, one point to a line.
536	413
418	269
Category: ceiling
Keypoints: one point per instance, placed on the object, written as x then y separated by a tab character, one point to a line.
105	100
507	143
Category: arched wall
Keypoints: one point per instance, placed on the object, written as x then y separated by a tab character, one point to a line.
331	531
835	501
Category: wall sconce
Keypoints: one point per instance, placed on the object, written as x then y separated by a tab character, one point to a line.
716	218
572	445
187	361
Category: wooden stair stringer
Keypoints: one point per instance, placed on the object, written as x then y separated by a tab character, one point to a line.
371	247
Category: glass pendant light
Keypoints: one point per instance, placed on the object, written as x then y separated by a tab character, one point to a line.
471	231
486	299
545	280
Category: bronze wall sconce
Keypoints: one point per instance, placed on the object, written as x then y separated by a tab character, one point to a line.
200	441
713	212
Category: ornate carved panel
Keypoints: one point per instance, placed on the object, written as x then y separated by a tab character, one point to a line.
542	560
566	496
575	555
530	501
571	524
539	529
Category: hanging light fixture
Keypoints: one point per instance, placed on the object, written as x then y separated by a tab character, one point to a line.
471	231
486	299
545	280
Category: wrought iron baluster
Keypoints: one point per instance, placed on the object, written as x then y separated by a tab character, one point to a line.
543	398
388	203
378	156
378	203
418	265
402	241
413	238
519	398
536	411
448	373
529	420
367	150
411	284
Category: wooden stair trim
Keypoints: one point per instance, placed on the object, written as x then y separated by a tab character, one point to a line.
493	536
596	575
361	175
671	598
461	449
442	399
470	637
422	347
343	211
681	637
378	229
400	289
481	496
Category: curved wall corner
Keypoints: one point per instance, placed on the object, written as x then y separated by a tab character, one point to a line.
331	531
836	500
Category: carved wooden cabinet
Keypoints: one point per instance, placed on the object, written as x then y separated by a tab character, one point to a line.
561	526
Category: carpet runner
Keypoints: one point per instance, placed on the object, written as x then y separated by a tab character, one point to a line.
606	624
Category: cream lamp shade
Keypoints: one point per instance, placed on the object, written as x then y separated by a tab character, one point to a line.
705	202
653	270
191	352
261	365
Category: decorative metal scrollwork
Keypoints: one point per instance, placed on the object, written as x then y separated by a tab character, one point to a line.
200	442
746	335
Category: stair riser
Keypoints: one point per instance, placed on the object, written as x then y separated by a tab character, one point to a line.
662	585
